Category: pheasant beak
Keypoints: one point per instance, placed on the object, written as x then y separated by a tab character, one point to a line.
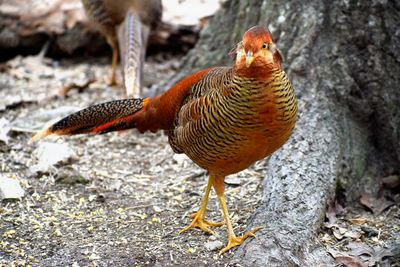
249	58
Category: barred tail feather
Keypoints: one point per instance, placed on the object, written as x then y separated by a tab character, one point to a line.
149	114
97	119
132	52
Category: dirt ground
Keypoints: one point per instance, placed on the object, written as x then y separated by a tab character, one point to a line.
121	199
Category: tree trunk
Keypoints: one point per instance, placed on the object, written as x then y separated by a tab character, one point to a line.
344	62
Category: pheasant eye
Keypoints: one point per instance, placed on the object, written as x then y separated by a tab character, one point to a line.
264	46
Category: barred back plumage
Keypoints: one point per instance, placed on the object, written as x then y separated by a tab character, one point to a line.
98	12
223	112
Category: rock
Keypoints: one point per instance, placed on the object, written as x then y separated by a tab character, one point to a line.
4	129
116	185
71	176
10	188
213	245
50	154
232	180
180	158
212	238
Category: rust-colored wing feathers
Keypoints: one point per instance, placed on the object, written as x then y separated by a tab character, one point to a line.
160	112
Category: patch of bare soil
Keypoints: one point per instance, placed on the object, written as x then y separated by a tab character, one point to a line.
123	197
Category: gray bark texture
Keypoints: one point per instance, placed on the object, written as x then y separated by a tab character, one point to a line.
343	59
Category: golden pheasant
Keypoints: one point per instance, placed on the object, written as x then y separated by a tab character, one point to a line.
126	23
223	118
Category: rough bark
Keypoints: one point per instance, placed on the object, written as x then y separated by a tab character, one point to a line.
343	60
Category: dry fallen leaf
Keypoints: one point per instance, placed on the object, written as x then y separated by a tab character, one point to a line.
367	201
352	234
391	182
376	205
374	255
337	233
358	221
334	208
350	261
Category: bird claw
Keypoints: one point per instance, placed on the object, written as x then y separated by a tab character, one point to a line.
111	81
235	241
202	224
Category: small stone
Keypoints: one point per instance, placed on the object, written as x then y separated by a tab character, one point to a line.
71	176
10	188
180	158
50	154
213	245
157	209
94	256
116	185
212	238
4	130
232	180
57	232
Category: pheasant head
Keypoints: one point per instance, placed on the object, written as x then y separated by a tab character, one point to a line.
257	54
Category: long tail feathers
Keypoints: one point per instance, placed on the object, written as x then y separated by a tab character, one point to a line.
132	47
101	118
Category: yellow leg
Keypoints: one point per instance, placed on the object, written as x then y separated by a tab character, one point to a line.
233	240
198	217
112	41
114	62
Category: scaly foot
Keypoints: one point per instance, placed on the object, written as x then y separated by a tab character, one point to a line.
111	81
238	240
201	223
